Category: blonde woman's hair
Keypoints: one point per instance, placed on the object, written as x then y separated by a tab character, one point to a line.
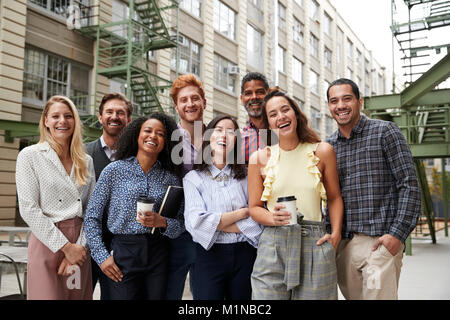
76	148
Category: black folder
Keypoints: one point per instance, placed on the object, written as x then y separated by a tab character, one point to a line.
172	201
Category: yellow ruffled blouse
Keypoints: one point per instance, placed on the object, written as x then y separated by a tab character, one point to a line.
295	173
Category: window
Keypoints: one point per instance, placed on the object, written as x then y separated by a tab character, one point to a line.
255	48
358	81
255	9
327	24
298	31
358	57
316	117
367	66
189	56
328	126
314	82
281	65
281	16
224	19
326	84
223	77
121	12
380	84
46	75
56	6
314	10
297	70
300	103
194	7
61	8
314	46
349	73
349	49
327	54
339	37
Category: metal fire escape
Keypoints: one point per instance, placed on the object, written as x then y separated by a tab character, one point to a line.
413	35
123	50
421	110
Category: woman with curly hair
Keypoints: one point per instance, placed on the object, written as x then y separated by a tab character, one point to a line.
137	266
217	216
295	261
55	178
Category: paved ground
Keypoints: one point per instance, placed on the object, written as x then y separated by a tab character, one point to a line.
425	275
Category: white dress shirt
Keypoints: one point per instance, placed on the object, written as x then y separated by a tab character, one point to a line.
47	194
207	198
110	153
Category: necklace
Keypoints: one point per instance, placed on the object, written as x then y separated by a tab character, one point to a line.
217	178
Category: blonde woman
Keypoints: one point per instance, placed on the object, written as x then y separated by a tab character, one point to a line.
55	179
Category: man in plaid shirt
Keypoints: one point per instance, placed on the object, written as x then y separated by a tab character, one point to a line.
381	196
254	87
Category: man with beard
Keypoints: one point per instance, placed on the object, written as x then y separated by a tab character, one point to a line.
114	115
381	197
254	87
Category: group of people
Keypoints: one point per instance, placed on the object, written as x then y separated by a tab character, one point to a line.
356	200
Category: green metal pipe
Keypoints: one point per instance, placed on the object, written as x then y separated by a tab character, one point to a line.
408	246
444	196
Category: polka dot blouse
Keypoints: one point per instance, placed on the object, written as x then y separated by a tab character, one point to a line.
117	190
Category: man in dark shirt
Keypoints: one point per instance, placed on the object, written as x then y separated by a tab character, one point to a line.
114	115
381	196
254	87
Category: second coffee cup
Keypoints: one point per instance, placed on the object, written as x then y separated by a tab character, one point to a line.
291	206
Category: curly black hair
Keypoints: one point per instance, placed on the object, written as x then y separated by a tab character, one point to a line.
238	168
127	145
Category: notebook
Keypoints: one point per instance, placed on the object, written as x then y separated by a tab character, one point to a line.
171	202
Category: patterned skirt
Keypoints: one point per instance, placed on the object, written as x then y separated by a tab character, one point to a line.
291	266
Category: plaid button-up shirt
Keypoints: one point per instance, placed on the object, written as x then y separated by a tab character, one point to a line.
378	180
251	141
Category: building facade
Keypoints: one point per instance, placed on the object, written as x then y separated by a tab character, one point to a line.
300	45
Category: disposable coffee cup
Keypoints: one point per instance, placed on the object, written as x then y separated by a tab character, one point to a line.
144	204
291	206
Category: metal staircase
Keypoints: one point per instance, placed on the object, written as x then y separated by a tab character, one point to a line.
422	109
412	36
123	49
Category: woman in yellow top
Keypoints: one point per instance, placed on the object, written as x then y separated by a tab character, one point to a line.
294	261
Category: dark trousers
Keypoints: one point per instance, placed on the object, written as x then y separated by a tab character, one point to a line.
98	275
144	261
182	258
223	272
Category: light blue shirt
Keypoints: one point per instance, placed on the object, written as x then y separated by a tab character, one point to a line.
207	199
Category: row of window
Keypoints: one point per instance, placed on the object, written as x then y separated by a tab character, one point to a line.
46	75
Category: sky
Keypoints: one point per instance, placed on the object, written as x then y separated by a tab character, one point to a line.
371	21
